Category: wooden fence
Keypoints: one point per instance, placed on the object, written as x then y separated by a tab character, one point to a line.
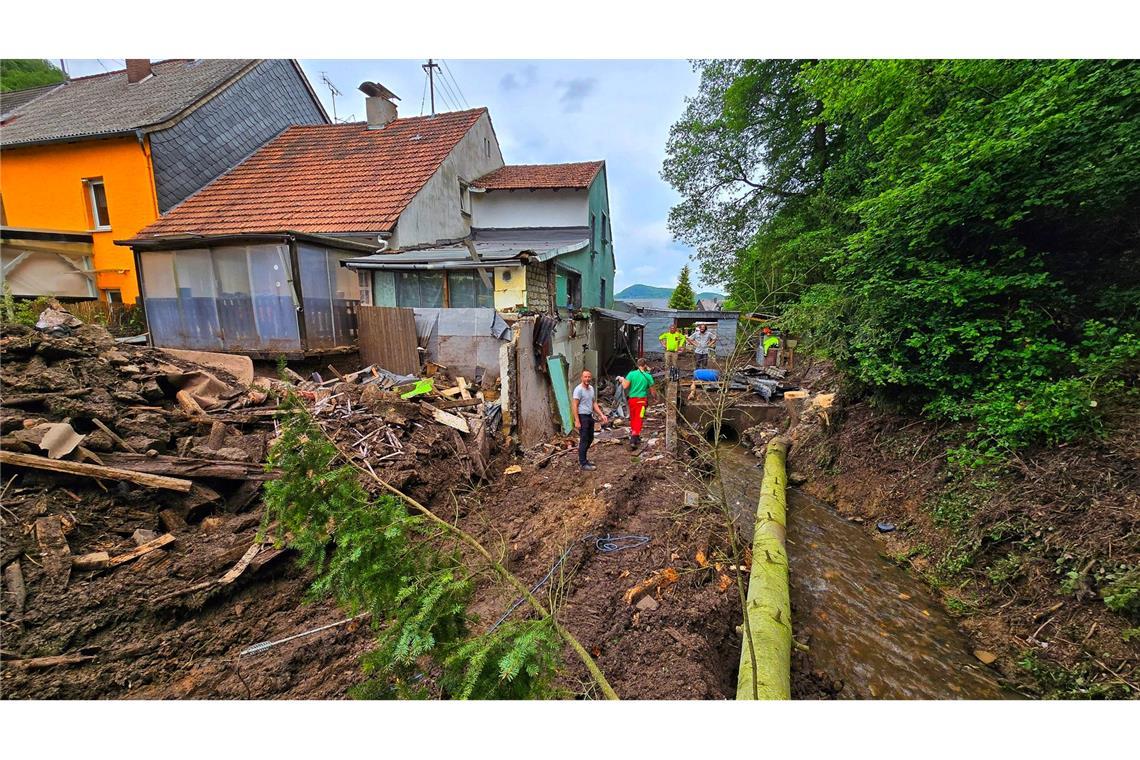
388	337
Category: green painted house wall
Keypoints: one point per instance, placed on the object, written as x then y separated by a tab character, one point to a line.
597	262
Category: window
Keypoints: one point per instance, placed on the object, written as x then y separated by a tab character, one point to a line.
593	233
466	290
423	289
365	287
602	293
605	229
97	203
487	146
568	289
464	198
113	296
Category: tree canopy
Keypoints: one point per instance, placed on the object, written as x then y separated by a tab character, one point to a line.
959	236
22	73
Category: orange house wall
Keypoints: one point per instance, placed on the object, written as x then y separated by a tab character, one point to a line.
43	188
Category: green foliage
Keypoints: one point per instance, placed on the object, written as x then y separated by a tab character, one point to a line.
1120	590
24	311
516	661
957	236
22	73
682	297
372	555
1006	569
1080	682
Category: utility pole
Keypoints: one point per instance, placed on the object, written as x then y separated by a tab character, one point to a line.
430	68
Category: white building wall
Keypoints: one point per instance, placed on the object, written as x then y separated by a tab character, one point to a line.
501	209
434	212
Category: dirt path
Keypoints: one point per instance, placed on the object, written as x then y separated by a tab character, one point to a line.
685	648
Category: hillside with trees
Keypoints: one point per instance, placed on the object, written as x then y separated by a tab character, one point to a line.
959	239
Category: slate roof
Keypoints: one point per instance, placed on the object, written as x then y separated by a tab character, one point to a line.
325	178
540	176
106	104
10	101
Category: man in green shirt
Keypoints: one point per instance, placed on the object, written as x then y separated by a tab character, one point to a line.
639	385
673	342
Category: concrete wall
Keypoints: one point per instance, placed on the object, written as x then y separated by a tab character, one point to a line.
229	127
506	209
434	213
510	287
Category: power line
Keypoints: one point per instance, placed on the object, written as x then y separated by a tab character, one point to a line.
456	83
423	97
448	94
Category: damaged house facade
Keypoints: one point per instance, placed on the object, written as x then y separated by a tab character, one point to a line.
277	255
96	159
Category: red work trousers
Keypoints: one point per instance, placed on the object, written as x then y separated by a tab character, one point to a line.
636	415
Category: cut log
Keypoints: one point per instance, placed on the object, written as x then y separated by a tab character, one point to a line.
15	593
54	551
189	405
768	608
92	561
188	467
147	548
446	418
217	437
95	471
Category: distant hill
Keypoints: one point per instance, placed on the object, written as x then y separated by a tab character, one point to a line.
643	292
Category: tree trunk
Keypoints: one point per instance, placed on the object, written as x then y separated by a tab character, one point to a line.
768	608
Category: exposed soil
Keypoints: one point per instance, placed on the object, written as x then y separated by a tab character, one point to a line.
997	548
687	647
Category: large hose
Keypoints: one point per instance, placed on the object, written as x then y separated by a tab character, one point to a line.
768	607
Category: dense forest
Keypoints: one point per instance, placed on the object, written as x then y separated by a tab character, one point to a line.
958	237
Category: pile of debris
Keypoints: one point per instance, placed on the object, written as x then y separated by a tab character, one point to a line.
131	492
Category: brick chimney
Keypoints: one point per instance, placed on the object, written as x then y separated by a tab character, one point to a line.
378	105
138	69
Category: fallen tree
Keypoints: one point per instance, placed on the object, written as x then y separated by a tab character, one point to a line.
768	608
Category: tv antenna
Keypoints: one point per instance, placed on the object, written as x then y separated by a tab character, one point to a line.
333	91
430	68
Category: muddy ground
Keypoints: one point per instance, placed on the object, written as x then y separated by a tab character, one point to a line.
1019	557
686	646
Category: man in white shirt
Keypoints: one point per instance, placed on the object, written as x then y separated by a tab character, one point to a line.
586	403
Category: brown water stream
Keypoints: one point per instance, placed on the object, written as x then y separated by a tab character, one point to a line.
869	624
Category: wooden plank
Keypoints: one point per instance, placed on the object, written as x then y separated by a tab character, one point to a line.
94	471
189	467
387	337
113	435
463	387
446	418
15	593
49	662
92	561
147	548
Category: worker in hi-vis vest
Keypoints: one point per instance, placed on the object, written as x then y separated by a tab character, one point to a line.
673	342
769	345
639	384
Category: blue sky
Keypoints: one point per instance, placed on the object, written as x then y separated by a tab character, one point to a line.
550	111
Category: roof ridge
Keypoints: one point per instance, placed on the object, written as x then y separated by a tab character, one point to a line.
123	70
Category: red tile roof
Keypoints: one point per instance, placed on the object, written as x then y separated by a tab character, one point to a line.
322	179
532	176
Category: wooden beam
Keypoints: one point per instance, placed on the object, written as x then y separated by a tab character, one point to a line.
94	471
147	548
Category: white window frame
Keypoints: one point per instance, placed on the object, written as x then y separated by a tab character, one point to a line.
365	278
89	186
464	198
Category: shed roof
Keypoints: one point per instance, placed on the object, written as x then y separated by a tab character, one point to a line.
323	178
540	176
106	104
494	247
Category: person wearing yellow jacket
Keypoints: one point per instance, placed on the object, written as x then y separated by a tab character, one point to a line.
673	341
